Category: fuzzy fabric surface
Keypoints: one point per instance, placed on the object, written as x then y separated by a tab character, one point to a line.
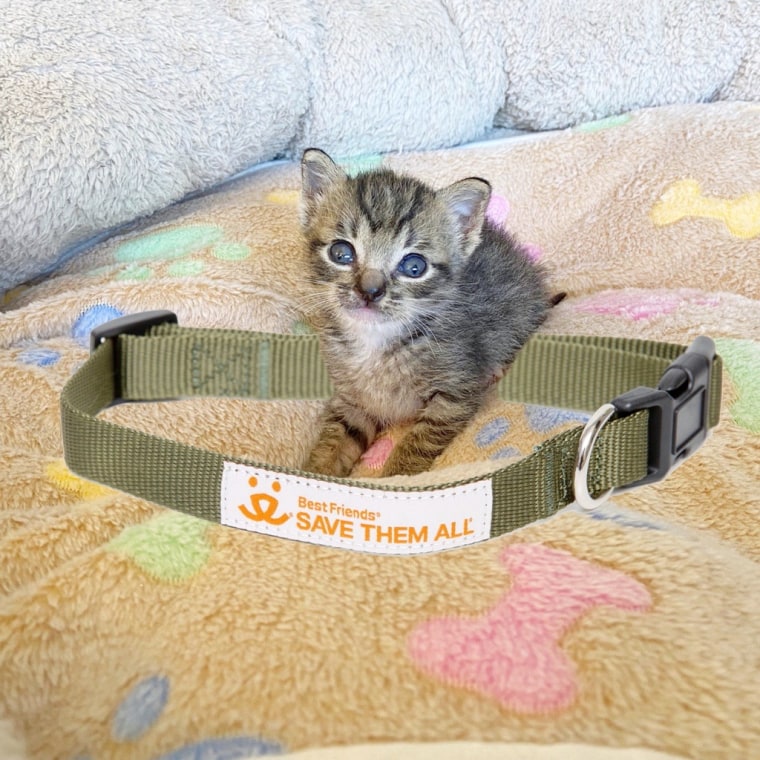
113	110
131	631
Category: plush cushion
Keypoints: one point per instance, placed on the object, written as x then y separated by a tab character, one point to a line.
111	111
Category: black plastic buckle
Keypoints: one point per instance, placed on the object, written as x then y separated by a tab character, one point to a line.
678	409
131	324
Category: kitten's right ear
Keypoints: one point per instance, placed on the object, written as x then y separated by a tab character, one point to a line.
318	173
466	201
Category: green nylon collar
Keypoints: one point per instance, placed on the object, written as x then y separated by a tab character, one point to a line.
170	362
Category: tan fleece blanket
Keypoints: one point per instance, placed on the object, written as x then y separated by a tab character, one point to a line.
130	631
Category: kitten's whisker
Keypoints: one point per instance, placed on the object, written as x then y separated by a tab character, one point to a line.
316	300
417	325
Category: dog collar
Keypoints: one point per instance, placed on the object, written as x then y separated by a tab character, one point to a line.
655	405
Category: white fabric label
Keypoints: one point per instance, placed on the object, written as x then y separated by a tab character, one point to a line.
353	517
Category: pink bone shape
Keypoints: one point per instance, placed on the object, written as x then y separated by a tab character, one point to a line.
512	652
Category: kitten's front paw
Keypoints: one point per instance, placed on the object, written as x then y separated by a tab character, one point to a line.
329	460
402	462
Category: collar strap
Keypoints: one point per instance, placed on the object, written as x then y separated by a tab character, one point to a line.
665	399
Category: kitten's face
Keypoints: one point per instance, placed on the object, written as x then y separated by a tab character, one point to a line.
384	248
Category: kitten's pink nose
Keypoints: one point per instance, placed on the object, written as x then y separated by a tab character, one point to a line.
371	285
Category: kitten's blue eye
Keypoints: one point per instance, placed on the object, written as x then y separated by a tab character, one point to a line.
342	253
413	265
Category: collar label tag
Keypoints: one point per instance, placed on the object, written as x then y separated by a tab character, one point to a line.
352	517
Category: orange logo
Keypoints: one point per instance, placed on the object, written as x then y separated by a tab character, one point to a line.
264	506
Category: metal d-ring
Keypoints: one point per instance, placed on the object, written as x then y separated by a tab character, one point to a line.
583	458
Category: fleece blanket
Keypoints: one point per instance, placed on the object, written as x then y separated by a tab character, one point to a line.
131	631
111	110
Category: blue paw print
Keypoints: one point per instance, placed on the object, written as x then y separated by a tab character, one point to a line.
225	749
140	709
491	432
40	357
544	419
626	521
507	452
90	319
143	706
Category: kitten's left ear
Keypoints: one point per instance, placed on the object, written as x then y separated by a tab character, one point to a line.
466	201
318	172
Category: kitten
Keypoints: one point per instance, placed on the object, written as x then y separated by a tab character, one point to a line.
421	304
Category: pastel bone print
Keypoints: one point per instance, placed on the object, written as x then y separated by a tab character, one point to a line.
685	199
638	304
512	653
497	211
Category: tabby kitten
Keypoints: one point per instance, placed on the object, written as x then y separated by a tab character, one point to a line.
421	303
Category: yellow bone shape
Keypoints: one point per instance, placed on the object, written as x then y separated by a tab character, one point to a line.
685	199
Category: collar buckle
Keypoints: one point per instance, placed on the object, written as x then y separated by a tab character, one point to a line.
679	409
131	324
679	415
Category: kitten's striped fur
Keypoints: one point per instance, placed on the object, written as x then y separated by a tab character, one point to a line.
401	347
